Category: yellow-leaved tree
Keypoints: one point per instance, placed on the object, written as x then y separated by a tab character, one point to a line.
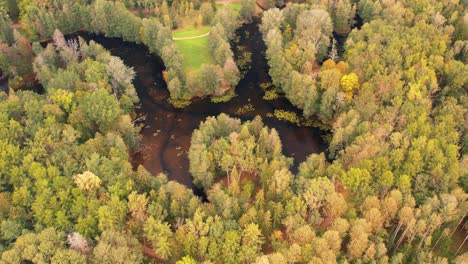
349	83
87	182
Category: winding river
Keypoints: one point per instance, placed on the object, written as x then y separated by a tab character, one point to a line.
167	130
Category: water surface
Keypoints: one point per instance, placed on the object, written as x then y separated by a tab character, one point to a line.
167	130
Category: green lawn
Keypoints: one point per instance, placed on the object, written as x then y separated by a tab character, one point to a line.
194	51
192	32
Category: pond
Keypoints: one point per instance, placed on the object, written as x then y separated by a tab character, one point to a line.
167	130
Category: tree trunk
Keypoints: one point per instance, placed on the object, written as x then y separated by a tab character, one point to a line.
459	222
413	236
424	238
114	89
401	238
397	230
148	251
461	244
438	239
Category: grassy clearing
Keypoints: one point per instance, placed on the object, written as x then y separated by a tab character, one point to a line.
190	32
194	51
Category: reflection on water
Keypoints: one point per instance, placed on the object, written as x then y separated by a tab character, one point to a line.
167	130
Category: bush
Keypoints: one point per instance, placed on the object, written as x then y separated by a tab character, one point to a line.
288	116
270	95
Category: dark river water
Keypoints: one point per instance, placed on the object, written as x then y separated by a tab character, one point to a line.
167	130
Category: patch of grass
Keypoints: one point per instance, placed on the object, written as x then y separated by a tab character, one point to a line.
224	98
180	103
270	95
194	51
265	85
190	32
244	109
244	60
288	116
299	120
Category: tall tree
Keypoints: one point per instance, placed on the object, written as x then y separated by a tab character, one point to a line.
315	26
247	9
117	247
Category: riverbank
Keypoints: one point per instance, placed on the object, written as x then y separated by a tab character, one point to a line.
166	131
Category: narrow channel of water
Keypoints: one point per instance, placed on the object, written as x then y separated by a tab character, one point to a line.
167	130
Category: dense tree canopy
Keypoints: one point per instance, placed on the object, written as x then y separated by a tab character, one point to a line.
387	77
113	19
223	146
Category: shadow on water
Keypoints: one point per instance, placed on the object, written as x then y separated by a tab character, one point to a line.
167	130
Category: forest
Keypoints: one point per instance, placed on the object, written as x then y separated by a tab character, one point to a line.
233	131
